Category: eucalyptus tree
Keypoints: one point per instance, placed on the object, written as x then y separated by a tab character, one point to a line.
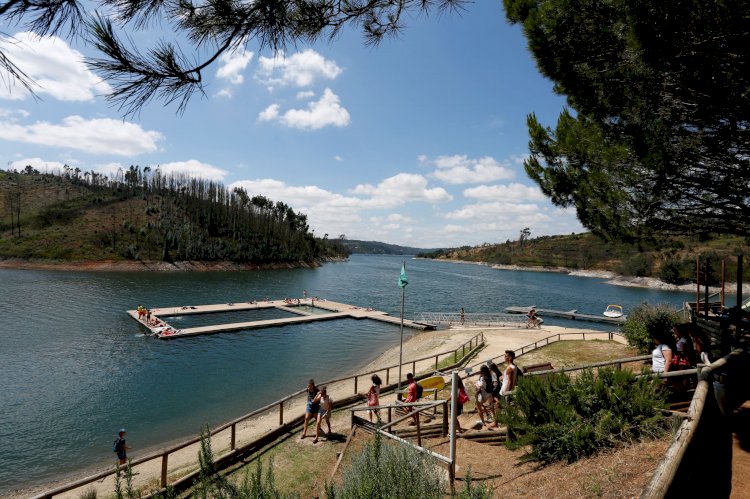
657	133
196	34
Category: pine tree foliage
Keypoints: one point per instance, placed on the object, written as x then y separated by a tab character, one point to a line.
200	32
657	134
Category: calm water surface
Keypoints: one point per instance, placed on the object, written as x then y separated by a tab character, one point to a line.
74	367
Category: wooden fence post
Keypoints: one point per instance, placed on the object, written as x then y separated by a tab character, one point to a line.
445	417
436	362
414	368
164	462
419	431
455	356
281	414
355	385
233	437
388	376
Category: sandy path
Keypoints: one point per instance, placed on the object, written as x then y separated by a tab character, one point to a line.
419	345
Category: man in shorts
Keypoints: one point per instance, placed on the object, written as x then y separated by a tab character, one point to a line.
121	448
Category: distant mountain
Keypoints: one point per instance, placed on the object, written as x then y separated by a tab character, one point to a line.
378	248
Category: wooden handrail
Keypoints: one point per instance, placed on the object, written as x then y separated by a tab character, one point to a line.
160	454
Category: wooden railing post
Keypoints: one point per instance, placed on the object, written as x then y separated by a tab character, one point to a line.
414	368
355	385
419	431
388	376
436	362
445	418
164	463
233	437
389	414
281	414
455	356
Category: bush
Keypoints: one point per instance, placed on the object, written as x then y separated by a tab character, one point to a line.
383	471
566	420
639	265
646	320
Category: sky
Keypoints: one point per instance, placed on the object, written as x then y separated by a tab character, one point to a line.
418	141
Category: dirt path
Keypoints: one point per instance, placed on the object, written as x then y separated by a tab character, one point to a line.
419	345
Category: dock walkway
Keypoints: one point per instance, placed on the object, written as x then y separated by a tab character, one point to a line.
570	314
307	310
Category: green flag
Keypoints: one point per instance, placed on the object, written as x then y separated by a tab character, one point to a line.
402	280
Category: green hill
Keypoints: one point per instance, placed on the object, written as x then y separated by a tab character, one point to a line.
670	259
378	248
143	215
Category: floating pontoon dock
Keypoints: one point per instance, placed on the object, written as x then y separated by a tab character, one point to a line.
300	307
570	314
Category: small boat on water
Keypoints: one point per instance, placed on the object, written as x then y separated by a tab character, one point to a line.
613	311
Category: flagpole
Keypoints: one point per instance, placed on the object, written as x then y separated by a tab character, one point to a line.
401	343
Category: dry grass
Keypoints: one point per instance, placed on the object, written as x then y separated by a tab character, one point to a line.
576	353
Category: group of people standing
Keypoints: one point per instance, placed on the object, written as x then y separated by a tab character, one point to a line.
319	407
683	348
493	386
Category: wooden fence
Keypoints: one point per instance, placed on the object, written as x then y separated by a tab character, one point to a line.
468	348
699	461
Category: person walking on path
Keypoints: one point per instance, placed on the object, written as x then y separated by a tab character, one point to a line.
373	396
325	404
120	447
463	397
510	376
312	407
411	396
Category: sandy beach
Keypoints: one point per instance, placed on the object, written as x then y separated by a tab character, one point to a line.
420	345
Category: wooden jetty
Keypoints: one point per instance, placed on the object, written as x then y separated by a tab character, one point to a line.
326	310
570	314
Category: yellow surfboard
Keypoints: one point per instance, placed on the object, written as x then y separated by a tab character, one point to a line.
436	382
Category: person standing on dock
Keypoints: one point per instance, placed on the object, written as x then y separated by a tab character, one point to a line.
313	405
462	316
120	448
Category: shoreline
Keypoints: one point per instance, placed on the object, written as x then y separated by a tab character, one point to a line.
151	265
611	277
421	344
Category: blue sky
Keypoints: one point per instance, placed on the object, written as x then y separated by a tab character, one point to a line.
418	141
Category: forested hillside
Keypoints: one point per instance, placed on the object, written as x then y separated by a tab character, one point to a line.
378	248
673	259
144	215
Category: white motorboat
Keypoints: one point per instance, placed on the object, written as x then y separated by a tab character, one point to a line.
613	311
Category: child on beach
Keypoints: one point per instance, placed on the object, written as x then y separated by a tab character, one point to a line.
324	412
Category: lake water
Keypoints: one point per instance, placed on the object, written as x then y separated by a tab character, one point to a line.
75	368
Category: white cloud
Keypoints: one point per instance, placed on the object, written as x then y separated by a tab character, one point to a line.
309	94
325	112
231	66
57	69
192	168
484	211
13	114
338	158
400	189
460	169
94	136
510	192
40	164
224	93
335	213
270	113
299	70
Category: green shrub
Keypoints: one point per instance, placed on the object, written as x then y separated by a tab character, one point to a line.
384	471
646	320
638	265
564	419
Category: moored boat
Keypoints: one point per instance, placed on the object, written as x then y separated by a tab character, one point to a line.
613	311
